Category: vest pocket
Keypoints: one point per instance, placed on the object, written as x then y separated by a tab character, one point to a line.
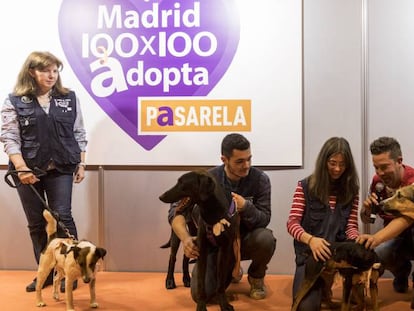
30	148
27	125
318	214
64	126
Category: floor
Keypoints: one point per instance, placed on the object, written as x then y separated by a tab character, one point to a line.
128	291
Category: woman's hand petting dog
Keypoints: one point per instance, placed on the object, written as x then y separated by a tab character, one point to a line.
190	248
320	249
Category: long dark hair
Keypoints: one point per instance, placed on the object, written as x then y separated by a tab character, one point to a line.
320	184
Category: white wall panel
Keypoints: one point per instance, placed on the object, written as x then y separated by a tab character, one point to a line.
135	221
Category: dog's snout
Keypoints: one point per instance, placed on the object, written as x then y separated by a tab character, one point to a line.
86	279
164	197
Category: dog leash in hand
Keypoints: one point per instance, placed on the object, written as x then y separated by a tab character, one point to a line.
38	173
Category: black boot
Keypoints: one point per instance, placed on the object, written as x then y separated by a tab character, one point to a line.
32	286
63	286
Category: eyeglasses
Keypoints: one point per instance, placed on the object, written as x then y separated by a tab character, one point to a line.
334	164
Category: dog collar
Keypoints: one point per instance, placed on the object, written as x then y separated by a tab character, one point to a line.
232	209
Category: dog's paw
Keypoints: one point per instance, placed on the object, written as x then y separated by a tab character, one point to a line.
201	306
40	304
225	306
94	305
170	284
187	281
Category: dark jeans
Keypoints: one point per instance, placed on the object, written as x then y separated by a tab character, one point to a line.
258	246
396	254
57	188
313	299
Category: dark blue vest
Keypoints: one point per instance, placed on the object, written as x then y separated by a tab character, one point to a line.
321	221
248	186
47	137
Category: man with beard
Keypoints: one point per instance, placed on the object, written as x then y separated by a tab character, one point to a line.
391	174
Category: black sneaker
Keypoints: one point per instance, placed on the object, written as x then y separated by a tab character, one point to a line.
32	286
63	286
257	288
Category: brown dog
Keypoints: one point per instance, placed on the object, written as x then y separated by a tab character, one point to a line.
358	267
401	204
70	259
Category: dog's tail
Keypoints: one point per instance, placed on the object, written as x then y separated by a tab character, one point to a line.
51	227
166	245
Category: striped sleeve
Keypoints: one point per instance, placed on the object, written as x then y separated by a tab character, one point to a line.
294	227
352	230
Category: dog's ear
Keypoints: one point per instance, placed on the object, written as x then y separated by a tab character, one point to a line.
63	249
100	252
76	251
207	186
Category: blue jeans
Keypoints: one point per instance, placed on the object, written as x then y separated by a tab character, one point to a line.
56	188
313	299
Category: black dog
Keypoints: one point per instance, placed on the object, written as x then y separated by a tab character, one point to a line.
354	263
214	221
174	243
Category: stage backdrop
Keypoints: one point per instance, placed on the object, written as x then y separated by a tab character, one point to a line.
162	82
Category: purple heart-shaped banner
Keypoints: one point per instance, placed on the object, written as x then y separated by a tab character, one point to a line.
123	50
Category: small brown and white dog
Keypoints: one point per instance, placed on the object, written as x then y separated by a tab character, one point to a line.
70	259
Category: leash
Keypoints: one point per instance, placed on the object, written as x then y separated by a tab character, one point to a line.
38	173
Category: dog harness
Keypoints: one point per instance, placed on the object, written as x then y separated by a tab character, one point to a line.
215	230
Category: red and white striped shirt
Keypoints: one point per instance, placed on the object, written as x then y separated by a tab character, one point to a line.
298	207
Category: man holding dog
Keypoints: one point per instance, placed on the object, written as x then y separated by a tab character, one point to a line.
250	191
396	249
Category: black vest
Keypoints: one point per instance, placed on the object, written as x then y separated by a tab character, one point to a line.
321	221
47	137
